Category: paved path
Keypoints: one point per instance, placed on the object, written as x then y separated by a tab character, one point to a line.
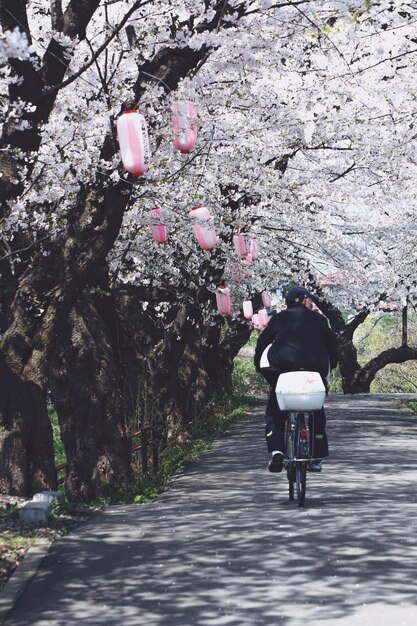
223	546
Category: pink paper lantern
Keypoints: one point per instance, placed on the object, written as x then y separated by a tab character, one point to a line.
263	318
247	309
158	228
248	259
133	139
254	248
239	243
184	125
223	300
266	300
255	322
203	227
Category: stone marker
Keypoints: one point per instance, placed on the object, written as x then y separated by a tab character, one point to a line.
35	512
49	496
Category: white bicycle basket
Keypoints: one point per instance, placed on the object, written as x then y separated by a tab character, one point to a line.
300	391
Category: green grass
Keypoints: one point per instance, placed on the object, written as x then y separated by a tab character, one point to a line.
60	456
247	383
411	405
253	340
14	542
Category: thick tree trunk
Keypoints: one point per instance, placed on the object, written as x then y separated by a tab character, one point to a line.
194	385
142	331
404	334
85	383
348	363
47	292
174	384
26	436
21	405
219	353
163	363
188	366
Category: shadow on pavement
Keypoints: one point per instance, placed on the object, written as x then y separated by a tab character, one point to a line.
223	546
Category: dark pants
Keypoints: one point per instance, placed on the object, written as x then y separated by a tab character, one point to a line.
275	421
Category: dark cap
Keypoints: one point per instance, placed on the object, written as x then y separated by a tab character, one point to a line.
296	295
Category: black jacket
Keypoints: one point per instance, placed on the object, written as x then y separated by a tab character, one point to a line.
301	340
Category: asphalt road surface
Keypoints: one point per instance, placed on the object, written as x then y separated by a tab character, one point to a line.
224	547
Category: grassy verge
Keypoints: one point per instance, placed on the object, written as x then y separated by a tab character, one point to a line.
411	405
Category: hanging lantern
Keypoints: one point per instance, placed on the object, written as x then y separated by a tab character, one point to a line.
133	139
256	322
254	248
266	300
184	125
263	318
248	259
223	300
247	309
158	228
203	227
240	245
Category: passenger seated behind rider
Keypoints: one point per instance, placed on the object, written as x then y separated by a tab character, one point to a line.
301	340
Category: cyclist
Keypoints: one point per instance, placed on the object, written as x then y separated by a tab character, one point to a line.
298	338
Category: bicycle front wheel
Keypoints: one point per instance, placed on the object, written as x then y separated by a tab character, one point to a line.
301	478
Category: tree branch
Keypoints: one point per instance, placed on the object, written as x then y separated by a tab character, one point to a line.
394	355
68	81
15	252
13	15
349	169
356	322
389	59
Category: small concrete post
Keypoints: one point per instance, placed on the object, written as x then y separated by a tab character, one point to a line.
35	512
49	496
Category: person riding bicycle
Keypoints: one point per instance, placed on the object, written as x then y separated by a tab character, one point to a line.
297	338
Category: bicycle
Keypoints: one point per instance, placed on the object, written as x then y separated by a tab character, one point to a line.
298	453
299	394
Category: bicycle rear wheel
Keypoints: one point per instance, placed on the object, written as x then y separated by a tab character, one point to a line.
302	451
291	479
301	478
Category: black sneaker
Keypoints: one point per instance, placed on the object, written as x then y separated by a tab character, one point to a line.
314	465
276	463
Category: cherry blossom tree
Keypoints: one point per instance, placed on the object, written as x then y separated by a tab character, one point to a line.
78	220
305	140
